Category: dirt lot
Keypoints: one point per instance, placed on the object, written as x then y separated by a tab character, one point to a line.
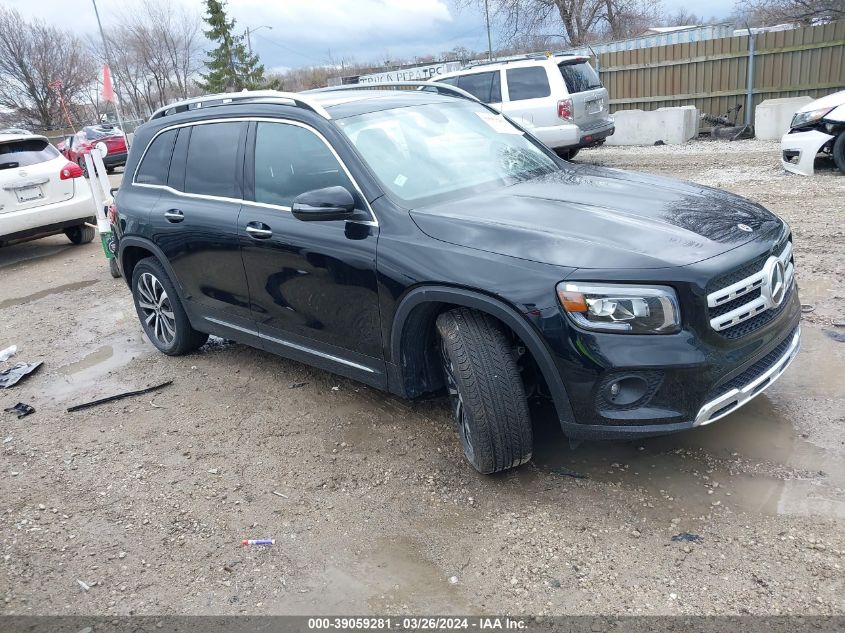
146	500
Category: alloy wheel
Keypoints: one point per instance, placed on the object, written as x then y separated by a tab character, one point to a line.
457	403
156	309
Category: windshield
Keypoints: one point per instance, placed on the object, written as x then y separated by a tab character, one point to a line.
579	77
423	154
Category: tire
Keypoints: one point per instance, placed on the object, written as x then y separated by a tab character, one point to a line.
486	391
81	234
568	154
82	166
113	268
839	152
160	310
109	170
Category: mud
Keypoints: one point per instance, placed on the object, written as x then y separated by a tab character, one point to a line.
146	499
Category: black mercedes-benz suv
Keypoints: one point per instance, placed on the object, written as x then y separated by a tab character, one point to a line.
420	242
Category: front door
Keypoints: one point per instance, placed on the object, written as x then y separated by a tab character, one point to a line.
312	285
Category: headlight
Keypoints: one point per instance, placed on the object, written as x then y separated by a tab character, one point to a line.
621	308
800	119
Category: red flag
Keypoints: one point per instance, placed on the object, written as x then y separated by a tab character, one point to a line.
108	91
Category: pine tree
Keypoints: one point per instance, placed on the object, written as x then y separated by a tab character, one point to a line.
231	68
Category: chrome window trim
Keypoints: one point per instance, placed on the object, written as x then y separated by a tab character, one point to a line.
296	346
739	397
279	207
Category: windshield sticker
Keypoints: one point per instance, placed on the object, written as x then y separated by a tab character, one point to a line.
400	180
498	123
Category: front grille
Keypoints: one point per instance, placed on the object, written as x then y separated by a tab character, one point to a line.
756	370
739	302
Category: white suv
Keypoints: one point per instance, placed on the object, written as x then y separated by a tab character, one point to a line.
558	98
41	192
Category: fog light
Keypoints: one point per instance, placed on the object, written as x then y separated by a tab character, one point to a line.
627	390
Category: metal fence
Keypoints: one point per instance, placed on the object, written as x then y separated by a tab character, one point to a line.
712	75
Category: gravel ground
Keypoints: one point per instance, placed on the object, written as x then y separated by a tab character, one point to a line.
139	506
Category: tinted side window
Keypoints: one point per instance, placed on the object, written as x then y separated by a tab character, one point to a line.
290	160
486	87
156	163
528	83
213	159
452	81
579	77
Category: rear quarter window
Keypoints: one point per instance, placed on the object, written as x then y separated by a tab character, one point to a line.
579	77
156	162
528	83
26	152
213	159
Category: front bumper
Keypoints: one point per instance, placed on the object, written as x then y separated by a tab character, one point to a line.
799	149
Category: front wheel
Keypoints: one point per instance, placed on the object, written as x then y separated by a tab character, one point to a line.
160	311
485	389
839	152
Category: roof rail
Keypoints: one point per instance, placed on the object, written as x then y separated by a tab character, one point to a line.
520	58
229	98
428	86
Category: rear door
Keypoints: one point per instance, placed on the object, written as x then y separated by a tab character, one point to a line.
30	175
589	98
195	219
529	96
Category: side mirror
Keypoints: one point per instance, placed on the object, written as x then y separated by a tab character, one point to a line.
329	203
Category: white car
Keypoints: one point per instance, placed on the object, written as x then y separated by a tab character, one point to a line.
558	98
817	127
41	192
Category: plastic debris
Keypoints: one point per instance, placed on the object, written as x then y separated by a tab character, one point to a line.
279	494
565	472
296	385
806	307
6	354
83	584
259	541
119	396
10	377
21	409
689	538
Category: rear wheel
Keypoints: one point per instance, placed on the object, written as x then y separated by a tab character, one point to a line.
113	268
839	152
160	311
81	234
568	154
485	389
82	166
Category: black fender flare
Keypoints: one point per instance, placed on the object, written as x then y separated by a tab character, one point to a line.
496	308
148	245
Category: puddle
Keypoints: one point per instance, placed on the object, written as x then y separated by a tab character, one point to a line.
16	301
84	374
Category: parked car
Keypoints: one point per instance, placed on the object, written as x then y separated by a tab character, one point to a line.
81	143
818	127
559	98
421	243
41	193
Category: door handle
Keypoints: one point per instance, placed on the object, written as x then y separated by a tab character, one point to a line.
174	215
259	230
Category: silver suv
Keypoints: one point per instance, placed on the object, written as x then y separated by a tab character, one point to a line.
559	98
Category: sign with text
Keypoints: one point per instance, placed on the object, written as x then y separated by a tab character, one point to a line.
420	73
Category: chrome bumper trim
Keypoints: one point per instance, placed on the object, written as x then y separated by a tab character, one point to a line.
728	403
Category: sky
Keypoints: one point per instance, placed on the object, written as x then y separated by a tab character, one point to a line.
309	32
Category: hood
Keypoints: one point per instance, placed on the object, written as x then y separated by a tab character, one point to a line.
593	217
828	101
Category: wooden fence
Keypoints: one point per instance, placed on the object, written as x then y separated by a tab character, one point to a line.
712	74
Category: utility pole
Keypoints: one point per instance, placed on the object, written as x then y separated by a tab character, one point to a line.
249	31
489	39
108	61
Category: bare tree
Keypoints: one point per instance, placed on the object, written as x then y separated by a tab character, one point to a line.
805	12
38	64
156	52
577	22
